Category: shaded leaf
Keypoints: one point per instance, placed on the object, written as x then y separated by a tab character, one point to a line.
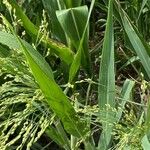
72	3
52	6
135	39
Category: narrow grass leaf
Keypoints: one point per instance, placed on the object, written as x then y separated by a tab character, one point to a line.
125	96
136	42
53	134
106	91
143	5
130	61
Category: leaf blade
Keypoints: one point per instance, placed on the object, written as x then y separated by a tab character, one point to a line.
106	89
57	100
138	44
58	48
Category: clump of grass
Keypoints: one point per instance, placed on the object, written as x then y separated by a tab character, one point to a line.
57	86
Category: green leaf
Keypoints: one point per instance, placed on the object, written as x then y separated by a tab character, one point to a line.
10	41
145	143
135	39
51	6
130	61
56	99
71	22
57	137
125	96
58	48
106	90
4	52
143	4
77	60
74	26
72	3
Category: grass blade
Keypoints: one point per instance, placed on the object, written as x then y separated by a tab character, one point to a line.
106	89
143	4
125	96
136	41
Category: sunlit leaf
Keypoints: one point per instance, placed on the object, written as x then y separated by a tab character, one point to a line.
56	99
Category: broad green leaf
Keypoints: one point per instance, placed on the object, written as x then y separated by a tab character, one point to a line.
72	3
136	41
58	102
106	90
56	99
51	6
61	50
77	60
74	26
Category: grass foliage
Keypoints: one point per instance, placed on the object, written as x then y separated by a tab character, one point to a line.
74	74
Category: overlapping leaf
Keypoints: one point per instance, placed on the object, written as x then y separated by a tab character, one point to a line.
57	100
52	6
74	26
61	50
